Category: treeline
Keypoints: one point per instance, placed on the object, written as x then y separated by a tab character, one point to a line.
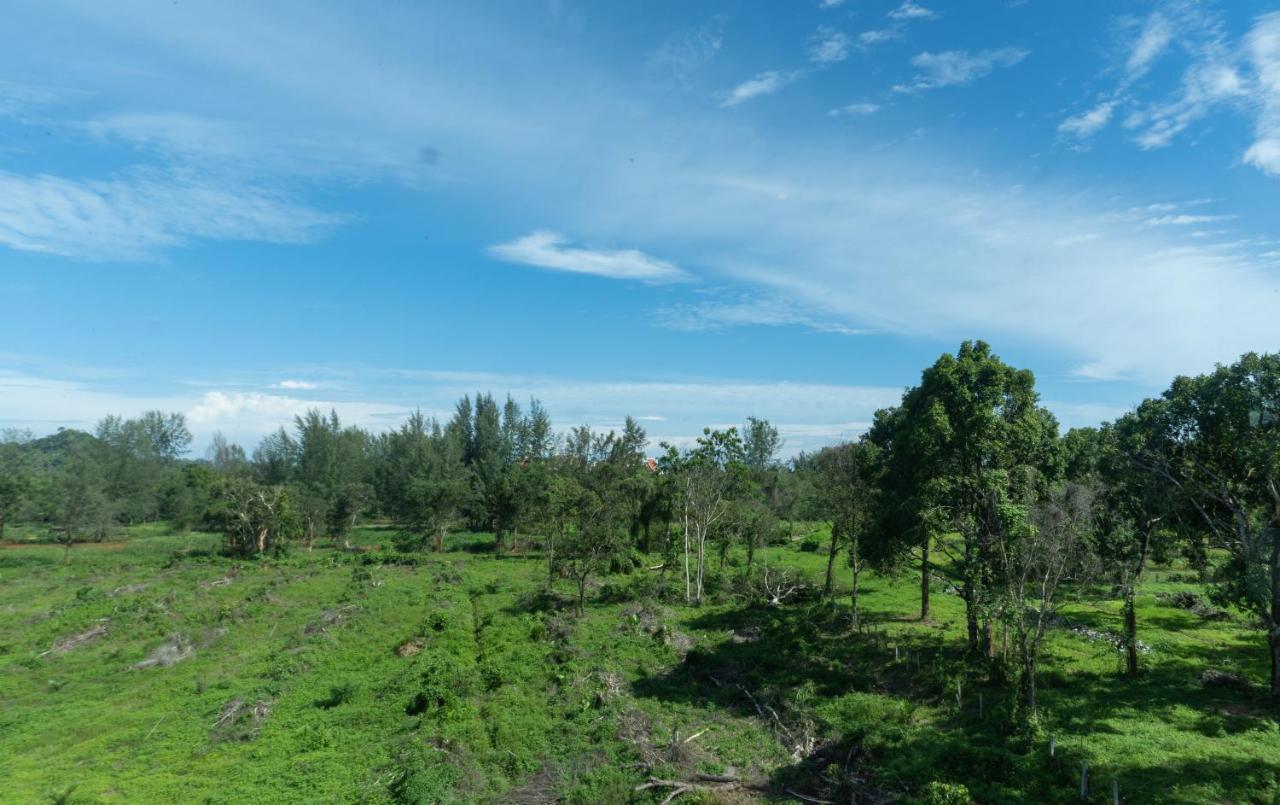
967	483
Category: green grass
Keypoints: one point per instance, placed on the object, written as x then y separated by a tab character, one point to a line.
341	677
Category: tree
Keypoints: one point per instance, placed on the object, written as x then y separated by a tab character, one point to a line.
1220	448
1042	539
1136	514
760	446
255	520
422	481
587	503
14	489
330	472
845	481
705	478
950	451
504	450
77	504
166	435
275	458
226	457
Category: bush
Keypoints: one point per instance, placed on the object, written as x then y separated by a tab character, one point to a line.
446	680
811	544
944	794
338	694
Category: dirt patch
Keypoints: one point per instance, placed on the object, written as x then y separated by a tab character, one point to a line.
221	582
68	642
410	647
332	618
169	653
57	546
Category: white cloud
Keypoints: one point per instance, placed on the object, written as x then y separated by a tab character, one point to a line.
828	46
876	36
953	67
1157	33
831	3
546	249
42	403
1215	76
140	215
1263	46
766	83
855	109
911	11
1184	219
295	385
1087	123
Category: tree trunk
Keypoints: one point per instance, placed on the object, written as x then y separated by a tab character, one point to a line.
582	593
1273	642
646	546
970	613
688	594
924	580
831	563
702	562
1029	685
751	547
499	538
440	539
856	566
1130	628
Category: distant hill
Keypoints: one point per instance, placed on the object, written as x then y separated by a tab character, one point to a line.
47	452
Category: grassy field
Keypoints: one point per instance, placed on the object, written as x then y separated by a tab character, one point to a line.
152	669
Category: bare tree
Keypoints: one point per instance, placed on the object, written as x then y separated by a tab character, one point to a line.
705	479
1041	545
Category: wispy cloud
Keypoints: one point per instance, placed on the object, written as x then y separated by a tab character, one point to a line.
1184	219
766	83
1088	122
828	46
855	109
546	249
1214	76
867	39
912	11
1157	33
1263	45
717	315
953	67
140	215
685	52
295	385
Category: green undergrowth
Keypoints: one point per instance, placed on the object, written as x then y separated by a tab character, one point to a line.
151	669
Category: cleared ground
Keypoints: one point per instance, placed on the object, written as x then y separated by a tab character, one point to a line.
152	669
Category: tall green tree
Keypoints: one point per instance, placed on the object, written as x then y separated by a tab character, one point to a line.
1221	451
951	450
422	481
846	484
14	489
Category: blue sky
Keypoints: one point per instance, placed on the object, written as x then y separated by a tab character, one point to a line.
688	212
